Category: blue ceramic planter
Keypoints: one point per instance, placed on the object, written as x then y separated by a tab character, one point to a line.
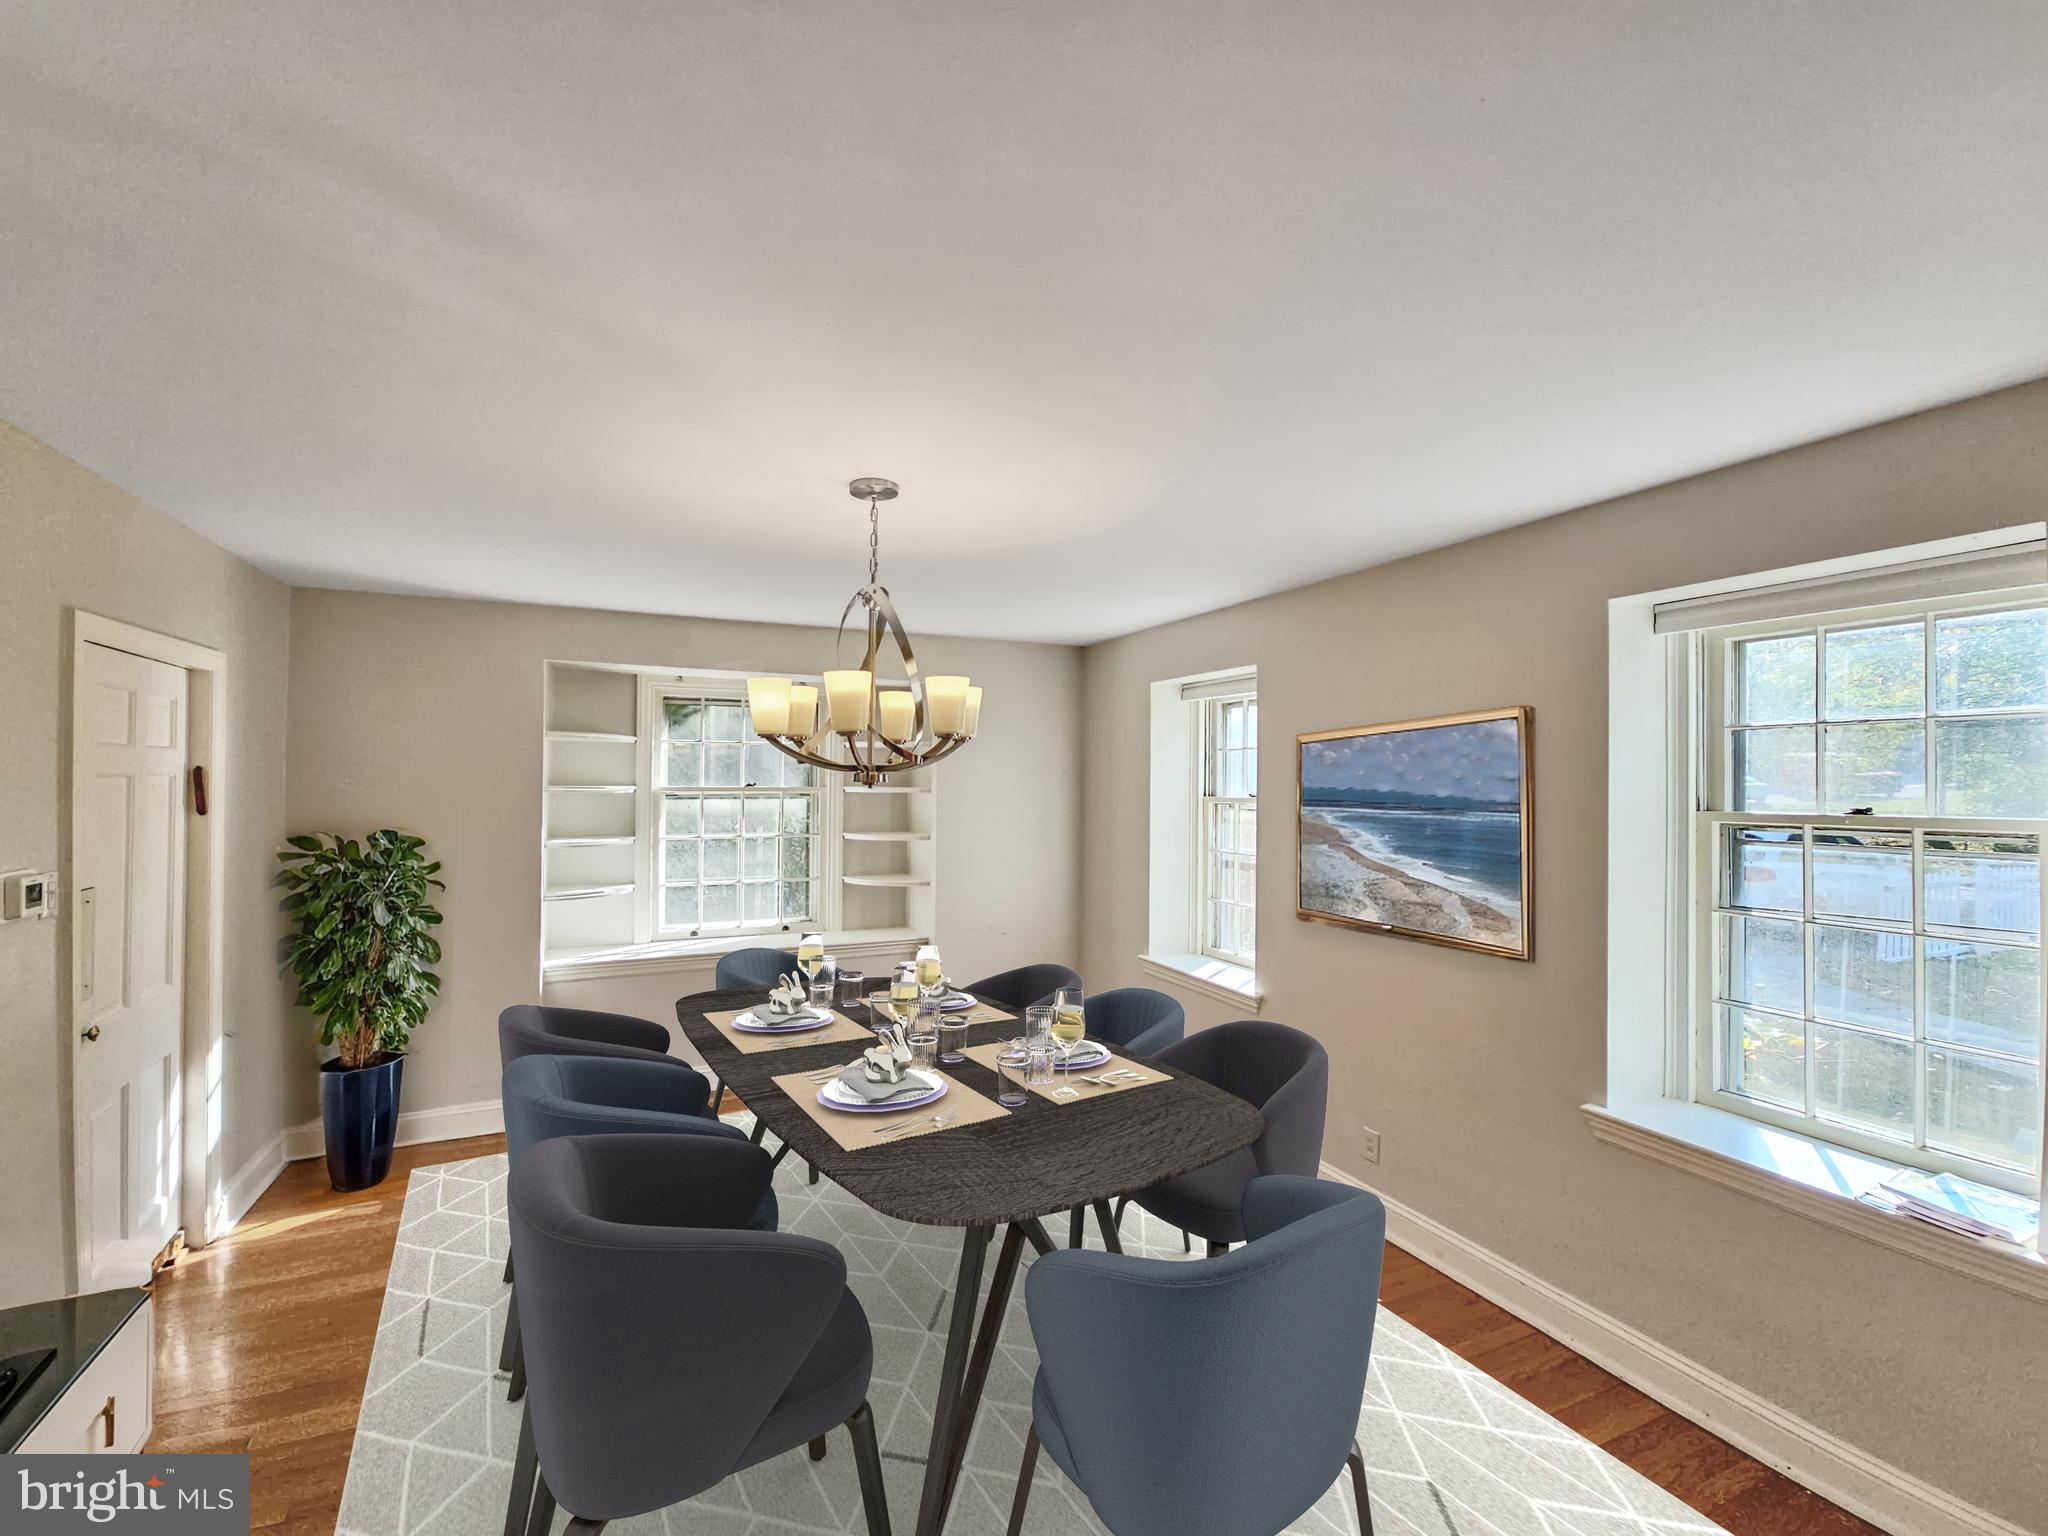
359	1108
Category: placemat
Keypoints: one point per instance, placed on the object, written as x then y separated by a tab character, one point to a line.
986	1055
841	1028
853	1129
980	1013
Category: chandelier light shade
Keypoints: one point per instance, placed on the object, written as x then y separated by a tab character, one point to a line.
859	728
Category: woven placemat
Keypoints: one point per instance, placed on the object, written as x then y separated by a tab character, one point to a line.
980	1013
854	1129
986	1055
841	1028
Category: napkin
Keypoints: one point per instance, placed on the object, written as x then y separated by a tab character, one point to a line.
855	1080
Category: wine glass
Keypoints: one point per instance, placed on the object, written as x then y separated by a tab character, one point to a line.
931	971
903	991
1069	1019
810	949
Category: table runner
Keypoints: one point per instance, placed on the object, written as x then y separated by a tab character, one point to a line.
985	1055
840	1030
856	1130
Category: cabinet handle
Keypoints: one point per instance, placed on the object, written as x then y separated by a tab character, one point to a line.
108	1413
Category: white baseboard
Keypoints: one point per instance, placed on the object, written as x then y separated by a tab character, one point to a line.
450	1122
1836	1470
246	1184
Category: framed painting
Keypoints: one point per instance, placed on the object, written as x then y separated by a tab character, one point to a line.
1421	829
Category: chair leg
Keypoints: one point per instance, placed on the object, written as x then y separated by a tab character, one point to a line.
1216	1249
818	1449
508	1269
525	1466
581	1527
814	1173
1024	1472
1107	1222
1187	1244
867	1460
1356	1462
1076	1225
509	1351
542	1521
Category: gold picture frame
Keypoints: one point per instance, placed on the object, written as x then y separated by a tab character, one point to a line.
1383	845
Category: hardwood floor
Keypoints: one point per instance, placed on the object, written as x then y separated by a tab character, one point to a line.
264	1340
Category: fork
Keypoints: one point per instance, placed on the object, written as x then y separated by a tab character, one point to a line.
904	1127
1112	1079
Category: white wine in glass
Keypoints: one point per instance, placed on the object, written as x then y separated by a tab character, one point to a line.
810	949
1069	1023
903	991
931	971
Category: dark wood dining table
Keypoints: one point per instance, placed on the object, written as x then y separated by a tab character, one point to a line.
1010	1172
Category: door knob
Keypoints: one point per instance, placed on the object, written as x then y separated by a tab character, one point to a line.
90	1034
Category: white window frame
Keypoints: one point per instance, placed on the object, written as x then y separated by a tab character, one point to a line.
1208	721
655	692
1711	768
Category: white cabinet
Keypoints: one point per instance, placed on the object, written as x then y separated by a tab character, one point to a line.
111	1403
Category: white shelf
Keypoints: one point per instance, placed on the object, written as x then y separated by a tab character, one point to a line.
899	882
591	842
585	892
590	789
591	736
887	837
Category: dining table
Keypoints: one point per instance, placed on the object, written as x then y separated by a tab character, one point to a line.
1010	1171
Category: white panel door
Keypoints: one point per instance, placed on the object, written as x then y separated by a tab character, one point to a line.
128	916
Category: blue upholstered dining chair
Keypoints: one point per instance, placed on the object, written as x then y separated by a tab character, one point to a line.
630	1265
753	968
1216	1398
550	1096
1136	1019
1025	986
535	1029
1283	1073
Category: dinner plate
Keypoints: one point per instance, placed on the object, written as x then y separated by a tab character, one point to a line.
1090	1054
954	1002
835	1095
746	1023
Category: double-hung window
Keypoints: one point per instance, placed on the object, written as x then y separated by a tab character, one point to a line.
1866	869
1226	897
736	844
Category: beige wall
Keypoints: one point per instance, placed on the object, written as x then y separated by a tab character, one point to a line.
425	714
1473	1068
70	540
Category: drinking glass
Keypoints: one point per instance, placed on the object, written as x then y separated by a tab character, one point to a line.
824	981
810	949
851	987
903	989
1069	1022
1010	1087
1038	1054
924	1046
931	973
881	1012
952	1040
1038	1025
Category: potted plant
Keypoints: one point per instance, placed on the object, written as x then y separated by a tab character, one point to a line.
361	944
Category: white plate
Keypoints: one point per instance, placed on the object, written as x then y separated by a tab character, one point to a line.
836	1095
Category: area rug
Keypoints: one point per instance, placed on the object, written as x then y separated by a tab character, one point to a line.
1450	1452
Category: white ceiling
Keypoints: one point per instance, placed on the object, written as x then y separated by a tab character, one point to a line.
1151	307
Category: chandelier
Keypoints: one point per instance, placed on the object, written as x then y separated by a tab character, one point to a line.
881	730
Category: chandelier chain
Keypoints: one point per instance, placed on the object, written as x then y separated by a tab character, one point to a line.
874	541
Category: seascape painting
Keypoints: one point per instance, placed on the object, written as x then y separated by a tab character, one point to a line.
1421	829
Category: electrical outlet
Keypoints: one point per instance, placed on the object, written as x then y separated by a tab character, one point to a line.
1369	1143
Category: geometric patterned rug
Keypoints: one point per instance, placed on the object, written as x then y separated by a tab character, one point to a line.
1448	1450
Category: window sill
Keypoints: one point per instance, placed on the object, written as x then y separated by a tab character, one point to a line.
1807	1176
1215	979
696	954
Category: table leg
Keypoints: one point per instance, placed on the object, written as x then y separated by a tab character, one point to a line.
992	1319
1107	1222
931	1510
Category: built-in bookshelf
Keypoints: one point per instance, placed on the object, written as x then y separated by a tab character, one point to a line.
589	814
886	853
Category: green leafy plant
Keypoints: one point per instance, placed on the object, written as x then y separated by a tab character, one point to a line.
362	939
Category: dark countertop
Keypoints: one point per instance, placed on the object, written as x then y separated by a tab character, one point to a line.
78	1328
1043	1158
